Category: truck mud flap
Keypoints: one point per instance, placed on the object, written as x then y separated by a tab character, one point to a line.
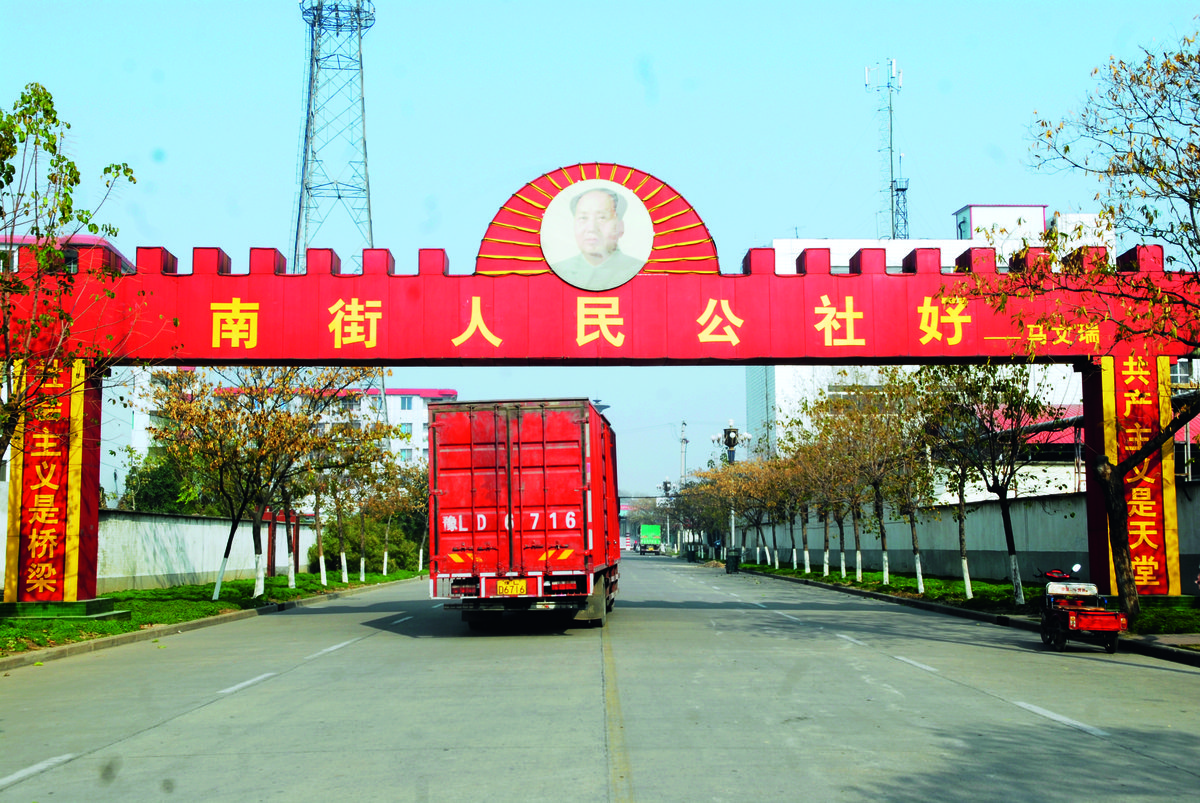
596	610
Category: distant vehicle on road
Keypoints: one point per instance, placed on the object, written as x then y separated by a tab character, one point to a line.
523	511
650	541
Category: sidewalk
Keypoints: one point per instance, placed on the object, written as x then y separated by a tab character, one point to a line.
1167	647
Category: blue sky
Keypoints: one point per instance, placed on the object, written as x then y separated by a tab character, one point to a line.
756	112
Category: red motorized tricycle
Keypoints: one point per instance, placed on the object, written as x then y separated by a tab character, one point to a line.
1075	610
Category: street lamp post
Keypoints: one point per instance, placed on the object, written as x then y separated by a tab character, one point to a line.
666	486
730	440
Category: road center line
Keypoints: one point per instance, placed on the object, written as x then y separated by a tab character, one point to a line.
246	683
917	664
21	775
398	621
331	649
851	639
1041	712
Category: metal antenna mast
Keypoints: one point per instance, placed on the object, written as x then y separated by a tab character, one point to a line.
897	187
333	169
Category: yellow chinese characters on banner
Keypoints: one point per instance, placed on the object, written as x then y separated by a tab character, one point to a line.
838	324
598	317
235	323
935	315
355	321
36	558
1135	387
712	321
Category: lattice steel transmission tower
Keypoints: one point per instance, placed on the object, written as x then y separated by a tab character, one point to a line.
897	187
335	194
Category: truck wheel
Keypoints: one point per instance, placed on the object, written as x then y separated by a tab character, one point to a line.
1110	644
481	620
1060	640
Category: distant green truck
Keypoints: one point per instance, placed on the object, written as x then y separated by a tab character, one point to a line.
650	542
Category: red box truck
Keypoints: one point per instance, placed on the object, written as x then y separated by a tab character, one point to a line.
523	510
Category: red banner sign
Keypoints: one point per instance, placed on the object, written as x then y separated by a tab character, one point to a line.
51	553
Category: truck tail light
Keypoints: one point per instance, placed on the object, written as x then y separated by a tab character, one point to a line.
465	587
563	585
1124	622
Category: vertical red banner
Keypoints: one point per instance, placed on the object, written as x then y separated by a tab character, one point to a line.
1136	399
53	487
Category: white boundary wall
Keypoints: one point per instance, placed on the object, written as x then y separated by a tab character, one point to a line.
152	550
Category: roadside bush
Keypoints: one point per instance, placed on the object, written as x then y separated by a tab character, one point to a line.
402	552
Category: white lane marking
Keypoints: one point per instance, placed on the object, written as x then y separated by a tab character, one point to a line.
334	647
917	664
715	588
1041	712
851	639
759	604
440	604
246	683
398	621
786	615
734	594
21	775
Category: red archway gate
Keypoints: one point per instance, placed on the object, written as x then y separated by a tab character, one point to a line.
521	307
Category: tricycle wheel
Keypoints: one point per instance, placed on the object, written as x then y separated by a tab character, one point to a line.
1045	631
1110	644
1059	640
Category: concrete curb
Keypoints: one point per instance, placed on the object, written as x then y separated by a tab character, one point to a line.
1138	644
150	633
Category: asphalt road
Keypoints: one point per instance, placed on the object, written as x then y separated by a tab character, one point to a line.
703	686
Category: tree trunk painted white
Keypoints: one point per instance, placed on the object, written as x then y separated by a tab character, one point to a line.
793	557
966	579
420	559
220	578
362	569
291	566
1018	586
758	555
920	579
777	560
885	569
321	561
807	565
858	565
259	576
826	563
345	575
842	555
385	562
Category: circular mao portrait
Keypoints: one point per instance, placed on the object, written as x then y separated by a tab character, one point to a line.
596	235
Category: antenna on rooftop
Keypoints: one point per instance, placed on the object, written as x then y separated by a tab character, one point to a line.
333	167
896	187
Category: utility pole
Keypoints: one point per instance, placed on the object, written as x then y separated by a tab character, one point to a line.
333	167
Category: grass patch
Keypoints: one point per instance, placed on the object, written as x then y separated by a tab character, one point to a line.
987	596
1156	621
167	606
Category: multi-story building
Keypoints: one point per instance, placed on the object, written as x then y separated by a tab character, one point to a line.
774	392
128	417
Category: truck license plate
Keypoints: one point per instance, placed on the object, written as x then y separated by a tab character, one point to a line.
510	587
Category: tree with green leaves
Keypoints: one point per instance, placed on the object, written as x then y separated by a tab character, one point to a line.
39	218
249	430
992	415
1138	135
